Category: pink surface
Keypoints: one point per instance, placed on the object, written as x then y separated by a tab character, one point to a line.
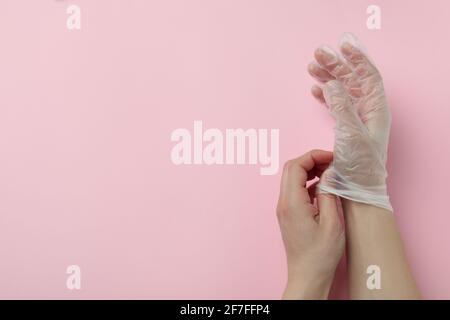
85	124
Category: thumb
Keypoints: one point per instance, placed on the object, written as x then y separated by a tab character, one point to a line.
340	104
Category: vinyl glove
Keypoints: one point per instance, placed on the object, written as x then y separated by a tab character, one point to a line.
353	90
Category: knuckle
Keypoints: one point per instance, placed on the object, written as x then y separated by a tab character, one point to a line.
281	210
287	165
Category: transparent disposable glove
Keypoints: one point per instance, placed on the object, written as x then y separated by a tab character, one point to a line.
352	88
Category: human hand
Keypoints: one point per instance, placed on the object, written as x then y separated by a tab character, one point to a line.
353	90
313	235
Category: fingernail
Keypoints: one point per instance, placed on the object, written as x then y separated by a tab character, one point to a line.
350	40
347	48
329	54
349	43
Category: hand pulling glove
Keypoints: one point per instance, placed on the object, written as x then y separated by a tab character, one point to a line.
353	91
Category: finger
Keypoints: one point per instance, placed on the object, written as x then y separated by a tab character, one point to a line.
295	175
328	209
329	60
356	55
312	191
319	73
317	93
317	171
315	159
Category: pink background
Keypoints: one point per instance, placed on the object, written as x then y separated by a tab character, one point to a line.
85	123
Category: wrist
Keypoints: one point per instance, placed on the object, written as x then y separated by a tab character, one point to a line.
313	287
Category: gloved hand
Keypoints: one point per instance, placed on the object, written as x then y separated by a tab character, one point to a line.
352	88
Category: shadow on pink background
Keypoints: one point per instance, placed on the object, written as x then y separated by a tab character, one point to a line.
85	124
